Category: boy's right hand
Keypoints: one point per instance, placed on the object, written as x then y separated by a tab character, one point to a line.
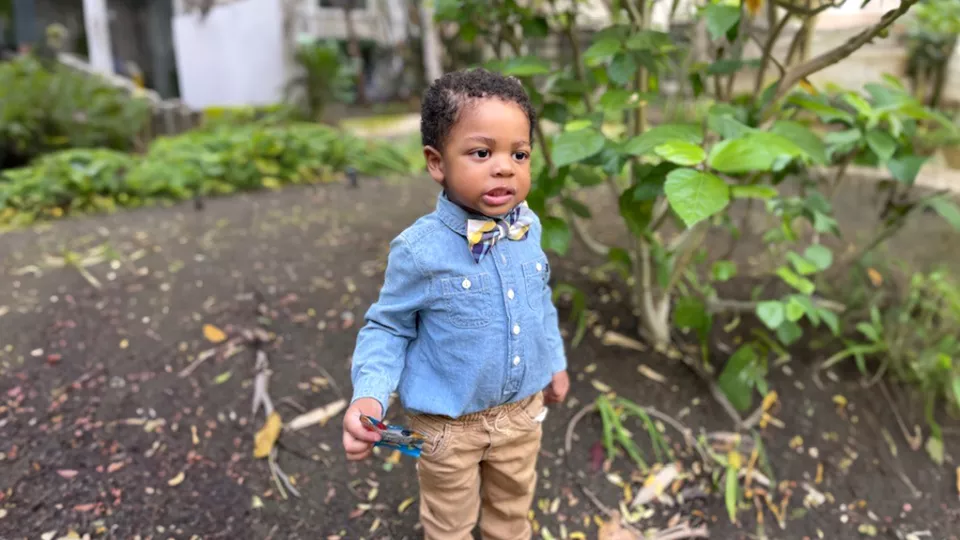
357	440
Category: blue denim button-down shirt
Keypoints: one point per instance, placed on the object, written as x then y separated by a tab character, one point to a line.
455	336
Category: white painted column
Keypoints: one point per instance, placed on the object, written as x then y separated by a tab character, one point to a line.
431	43
96	20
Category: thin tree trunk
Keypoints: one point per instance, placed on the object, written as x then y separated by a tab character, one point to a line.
353	48
431	52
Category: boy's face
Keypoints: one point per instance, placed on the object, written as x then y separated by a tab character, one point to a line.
485	162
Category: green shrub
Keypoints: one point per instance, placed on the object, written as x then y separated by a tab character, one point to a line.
47	109
200	162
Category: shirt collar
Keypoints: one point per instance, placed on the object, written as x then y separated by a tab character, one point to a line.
455	216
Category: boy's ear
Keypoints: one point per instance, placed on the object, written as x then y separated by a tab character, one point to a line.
434	163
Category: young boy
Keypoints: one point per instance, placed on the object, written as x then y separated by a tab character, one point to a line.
465	325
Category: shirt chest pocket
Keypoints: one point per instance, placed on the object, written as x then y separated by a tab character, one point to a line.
536	275
467	300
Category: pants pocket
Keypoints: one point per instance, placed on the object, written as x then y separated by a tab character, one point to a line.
437	436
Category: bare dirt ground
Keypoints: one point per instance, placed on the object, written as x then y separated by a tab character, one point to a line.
100	435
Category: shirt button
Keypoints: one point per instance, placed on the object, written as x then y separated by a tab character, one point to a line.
539	267
510	294
516	360
516	329
466	284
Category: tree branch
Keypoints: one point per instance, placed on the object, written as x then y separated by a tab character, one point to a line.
804	70
768	52
720	305
584	235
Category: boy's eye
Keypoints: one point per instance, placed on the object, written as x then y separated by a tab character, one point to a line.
520	156
482	153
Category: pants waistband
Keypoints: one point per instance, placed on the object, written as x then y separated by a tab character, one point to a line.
490	413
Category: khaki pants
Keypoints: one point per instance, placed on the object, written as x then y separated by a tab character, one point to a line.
482	463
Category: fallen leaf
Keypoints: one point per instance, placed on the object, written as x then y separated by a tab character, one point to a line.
600	386
213	334
256	503
85	507
611	338
177	480
115	466
405	504
267	436
651	374
67	473
655	484
223	377
320	415
875	277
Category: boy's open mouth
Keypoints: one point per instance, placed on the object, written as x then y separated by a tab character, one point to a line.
498	196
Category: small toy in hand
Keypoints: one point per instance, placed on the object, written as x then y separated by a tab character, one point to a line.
397	437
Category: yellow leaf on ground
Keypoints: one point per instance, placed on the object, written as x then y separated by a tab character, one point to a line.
177	480
213	334
405	504
267	436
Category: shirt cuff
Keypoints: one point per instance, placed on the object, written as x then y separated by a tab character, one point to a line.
559	362
376	388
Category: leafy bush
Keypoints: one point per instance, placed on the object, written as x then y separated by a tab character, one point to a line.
675	183
43	109
195	163
917	339
327	75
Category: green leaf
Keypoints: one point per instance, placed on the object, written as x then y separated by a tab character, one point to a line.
601	50
947	209
556	235
826	113
622	68
729	66
618	99
723	270
535	27
526	66
868	331
831	320
771	313
578	208
753	192
681	153
690	312
647	40
819	255
695	195
882	144
802	265
756	151
586	176
721	18
637	214
664	133
804	285
572	146
906	168
956	389
223	377
857	102
789	332
555	112
737	378
577	125
731	495
803	137
935	449
843	138
795	309
650	180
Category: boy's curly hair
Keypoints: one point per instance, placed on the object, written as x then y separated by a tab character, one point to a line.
445	98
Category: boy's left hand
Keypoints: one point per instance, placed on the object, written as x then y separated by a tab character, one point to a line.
557	390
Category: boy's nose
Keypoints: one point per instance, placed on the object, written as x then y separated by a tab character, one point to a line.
502	167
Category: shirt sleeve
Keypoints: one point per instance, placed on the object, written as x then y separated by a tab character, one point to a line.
551	327
391	323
